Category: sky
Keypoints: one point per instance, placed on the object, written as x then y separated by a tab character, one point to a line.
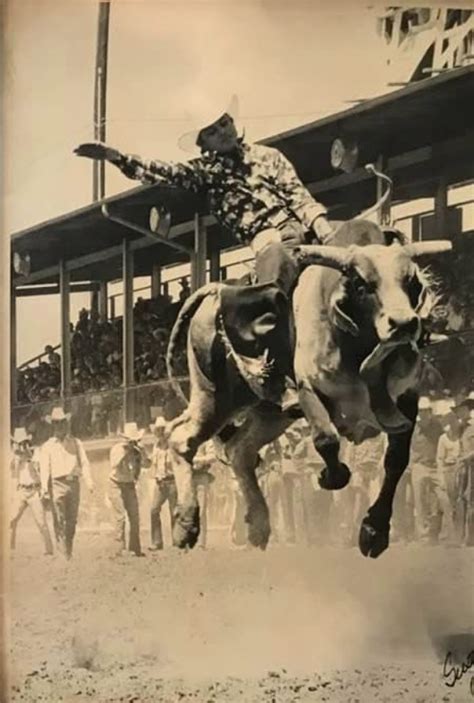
288	62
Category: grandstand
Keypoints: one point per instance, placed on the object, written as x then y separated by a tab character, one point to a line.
108	368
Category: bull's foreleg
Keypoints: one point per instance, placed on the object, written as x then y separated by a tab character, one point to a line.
335	474
260	428
375	528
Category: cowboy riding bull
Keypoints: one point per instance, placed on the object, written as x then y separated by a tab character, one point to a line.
357	316
331	330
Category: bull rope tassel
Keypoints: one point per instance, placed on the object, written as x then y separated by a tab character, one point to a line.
254	371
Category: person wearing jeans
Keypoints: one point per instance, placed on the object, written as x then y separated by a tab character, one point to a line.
126	461
63	462
27	480
164	486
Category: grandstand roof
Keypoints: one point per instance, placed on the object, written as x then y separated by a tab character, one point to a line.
419	115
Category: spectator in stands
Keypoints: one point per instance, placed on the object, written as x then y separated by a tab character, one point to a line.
53	357
63	462
185	291
27	488
127	458
164	486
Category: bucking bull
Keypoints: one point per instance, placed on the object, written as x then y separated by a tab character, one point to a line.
356	320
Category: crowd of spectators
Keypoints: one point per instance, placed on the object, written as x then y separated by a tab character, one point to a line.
96	352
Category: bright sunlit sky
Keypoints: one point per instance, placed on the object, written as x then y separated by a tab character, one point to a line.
289	63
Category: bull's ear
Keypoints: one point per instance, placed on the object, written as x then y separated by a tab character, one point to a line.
341	319
393	236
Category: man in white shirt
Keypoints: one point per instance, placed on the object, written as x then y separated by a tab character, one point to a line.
25	474
126	461
63	462
164	486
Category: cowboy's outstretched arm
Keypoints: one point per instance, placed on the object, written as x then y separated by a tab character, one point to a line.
308	211
189	176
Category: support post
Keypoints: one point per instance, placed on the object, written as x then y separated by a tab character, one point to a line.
13	384
127	335
64	296
415	228
103	301
441	209
100	97
199	257
155	281
215	265
94	301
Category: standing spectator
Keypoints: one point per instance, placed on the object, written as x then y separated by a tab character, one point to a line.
203	478
25	474
448	455
270	481
467	476
423	468
289	478
164	488
185	291
62	462
126	461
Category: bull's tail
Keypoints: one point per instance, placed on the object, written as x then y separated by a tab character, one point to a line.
179	328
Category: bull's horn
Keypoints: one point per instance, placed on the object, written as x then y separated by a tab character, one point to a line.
423	248
331	256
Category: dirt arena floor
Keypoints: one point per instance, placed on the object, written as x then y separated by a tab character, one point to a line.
225	624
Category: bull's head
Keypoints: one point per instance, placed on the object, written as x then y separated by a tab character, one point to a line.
382	292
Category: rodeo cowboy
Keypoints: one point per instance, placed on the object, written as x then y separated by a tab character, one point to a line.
26	475
252	190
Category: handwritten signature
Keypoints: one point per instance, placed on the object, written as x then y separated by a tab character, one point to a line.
454	672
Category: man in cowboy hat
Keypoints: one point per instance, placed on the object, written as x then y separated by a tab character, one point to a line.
25	473
63	461
127	458
427	432
164	486
252	189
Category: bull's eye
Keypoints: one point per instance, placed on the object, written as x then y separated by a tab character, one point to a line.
363	288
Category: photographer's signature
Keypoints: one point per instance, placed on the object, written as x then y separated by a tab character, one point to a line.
453	671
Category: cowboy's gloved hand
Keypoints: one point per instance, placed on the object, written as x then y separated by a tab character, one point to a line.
100	152
322	228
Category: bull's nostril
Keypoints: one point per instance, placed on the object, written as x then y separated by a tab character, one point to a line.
408	326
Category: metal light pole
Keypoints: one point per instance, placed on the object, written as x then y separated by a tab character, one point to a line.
100	97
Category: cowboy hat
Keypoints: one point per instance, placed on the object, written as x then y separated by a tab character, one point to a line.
424	403
131	432
442	407
20	435
159	424
467	402
204	115
58	415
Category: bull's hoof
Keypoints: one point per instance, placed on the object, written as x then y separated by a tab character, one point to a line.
186	527
259	530
334	479
373	541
